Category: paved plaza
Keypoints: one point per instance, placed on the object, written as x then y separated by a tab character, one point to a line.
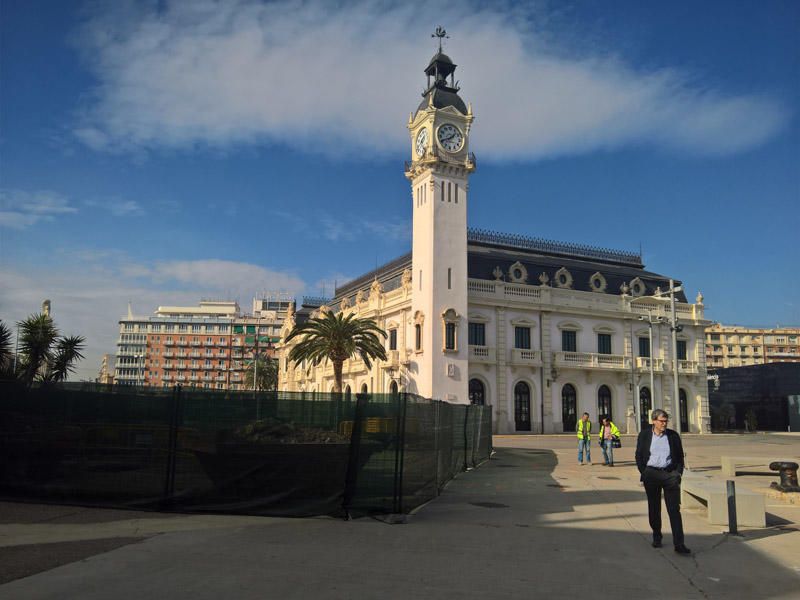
529	523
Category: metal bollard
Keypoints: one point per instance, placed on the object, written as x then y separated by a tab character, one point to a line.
732	527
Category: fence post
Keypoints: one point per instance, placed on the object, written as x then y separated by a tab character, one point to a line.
172	449
351	479
732	524
466	420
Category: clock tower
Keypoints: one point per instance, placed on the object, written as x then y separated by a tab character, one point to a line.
439	173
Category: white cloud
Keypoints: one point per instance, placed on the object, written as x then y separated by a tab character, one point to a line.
343	77
20	209
347	229
118	207
90	296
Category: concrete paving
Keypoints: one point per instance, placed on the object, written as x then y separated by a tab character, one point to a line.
530	522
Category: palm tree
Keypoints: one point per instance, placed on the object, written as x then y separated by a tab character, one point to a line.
267	374
43	354
6	355
337	338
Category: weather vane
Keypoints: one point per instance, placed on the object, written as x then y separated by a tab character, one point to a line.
440	33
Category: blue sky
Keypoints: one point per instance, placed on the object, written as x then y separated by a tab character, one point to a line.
160	152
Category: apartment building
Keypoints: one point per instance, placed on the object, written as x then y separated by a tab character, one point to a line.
738	346
208	346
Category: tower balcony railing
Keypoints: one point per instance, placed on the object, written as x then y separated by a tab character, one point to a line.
592	360
526	357
482	354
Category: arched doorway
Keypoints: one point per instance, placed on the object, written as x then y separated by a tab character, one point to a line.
683	410
477	393
393	389
522	406
364	389
348	394
645	406
604	403
569	407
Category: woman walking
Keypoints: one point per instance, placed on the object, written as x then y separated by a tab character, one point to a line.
608	434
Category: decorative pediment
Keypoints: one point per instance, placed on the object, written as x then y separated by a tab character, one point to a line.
603	329
523	322
451	316
569	325
478	318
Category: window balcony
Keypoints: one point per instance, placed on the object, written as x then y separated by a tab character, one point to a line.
196	343
180	378
166	367
592	360
166	378
220	378
195	354
207	343
222	343
482	354
182	343
169	343
168	354
526	357
643	364
392	360
688	366
194	378
183	366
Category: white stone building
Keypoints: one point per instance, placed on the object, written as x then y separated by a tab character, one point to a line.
540	330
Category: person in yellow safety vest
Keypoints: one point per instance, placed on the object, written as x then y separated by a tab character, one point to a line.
584	430
608	433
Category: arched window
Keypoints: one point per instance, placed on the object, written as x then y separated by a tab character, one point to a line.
604	402
569	407
645	406
393	389
364	389
683	410
348	394
477	393
522	406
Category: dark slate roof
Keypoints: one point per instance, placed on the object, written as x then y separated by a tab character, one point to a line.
442	97
486	250
389	275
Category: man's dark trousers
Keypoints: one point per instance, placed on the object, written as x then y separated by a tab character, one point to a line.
670	481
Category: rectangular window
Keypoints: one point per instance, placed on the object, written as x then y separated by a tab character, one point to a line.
183	328
223	329
443	191
569	341
644	347
449	192
195	328
604	343
418	336
450	336
393	339
477	334
449	278
456	194
522	338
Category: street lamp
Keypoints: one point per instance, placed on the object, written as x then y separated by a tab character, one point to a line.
650	322
673	326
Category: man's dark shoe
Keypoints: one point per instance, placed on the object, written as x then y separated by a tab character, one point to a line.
656	542
682	549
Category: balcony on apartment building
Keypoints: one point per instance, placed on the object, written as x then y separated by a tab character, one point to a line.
180	378
222	343
592	360
208	343
392	360
196	343
688	366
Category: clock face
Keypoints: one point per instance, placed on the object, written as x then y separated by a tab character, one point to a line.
450	137
422	141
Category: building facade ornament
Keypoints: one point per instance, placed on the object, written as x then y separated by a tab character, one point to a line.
563	278
518	273
637	287
376	289
625	289
598	283
497	273
361	297
544	279
406	280
345	303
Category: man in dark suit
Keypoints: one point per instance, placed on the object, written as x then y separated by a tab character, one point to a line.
659	458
